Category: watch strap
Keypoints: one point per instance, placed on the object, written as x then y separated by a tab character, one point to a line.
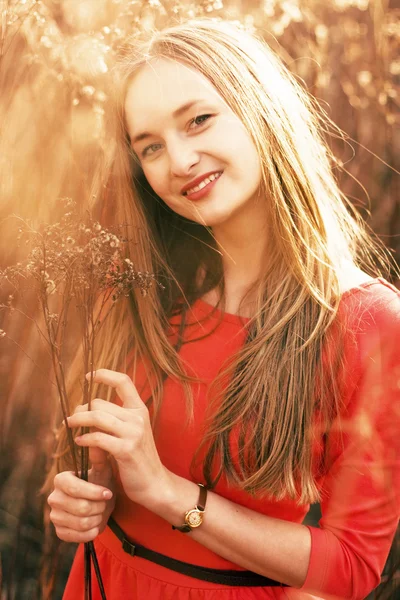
183	528
200	506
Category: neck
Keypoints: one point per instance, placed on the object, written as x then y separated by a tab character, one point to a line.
243	243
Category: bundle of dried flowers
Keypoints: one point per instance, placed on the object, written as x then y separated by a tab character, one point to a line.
76	264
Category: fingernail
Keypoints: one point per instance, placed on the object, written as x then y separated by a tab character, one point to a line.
107	494
78	439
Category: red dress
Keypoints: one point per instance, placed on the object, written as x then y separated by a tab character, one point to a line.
360	493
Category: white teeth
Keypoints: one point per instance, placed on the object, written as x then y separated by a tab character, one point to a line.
203	184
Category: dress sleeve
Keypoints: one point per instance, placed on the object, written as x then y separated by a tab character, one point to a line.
360	493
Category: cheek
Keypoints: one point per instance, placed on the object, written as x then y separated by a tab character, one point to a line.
159	183
250	161
156	180
240	149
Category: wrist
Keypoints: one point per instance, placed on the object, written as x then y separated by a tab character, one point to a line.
175	497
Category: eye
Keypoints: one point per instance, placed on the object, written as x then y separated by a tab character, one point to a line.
199	120
150	149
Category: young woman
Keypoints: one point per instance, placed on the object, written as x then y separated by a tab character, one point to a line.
268	368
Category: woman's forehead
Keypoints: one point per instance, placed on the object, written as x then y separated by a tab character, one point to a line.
162	86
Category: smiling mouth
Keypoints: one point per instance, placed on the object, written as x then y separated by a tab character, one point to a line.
202	184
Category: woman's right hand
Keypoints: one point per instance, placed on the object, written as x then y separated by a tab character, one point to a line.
80	509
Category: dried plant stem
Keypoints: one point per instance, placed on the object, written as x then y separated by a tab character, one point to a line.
60	380
88	573
97	570
82	264
87	306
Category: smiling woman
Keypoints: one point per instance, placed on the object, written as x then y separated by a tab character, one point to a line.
265	375
189	143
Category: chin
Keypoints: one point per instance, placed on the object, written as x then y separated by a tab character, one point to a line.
209	216
216	217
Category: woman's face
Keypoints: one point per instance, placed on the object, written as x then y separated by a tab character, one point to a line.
194	151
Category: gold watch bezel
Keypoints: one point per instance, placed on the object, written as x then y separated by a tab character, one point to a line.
198	514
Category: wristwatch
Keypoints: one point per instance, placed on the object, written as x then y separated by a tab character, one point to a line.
194	517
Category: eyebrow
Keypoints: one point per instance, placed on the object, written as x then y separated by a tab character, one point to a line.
177	113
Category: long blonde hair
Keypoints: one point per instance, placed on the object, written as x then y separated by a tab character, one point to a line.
276	381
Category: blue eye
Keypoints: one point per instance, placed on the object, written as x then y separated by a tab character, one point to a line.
146	150
197	121
201	118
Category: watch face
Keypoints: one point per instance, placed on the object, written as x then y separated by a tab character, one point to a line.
194	518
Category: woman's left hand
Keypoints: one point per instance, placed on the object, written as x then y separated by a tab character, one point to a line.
125	432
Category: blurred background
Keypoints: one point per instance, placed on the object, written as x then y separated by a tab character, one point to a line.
55	61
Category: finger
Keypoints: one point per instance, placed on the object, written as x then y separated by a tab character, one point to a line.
119	448
79	507
99	404
72	486
100	420
100	464
77	537
122	384
60	518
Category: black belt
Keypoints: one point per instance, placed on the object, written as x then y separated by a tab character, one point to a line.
221	576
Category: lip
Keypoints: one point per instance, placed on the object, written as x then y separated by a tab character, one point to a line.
195	196
198	180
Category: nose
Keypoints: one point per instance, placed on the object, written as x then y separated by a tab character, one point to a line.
182	157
